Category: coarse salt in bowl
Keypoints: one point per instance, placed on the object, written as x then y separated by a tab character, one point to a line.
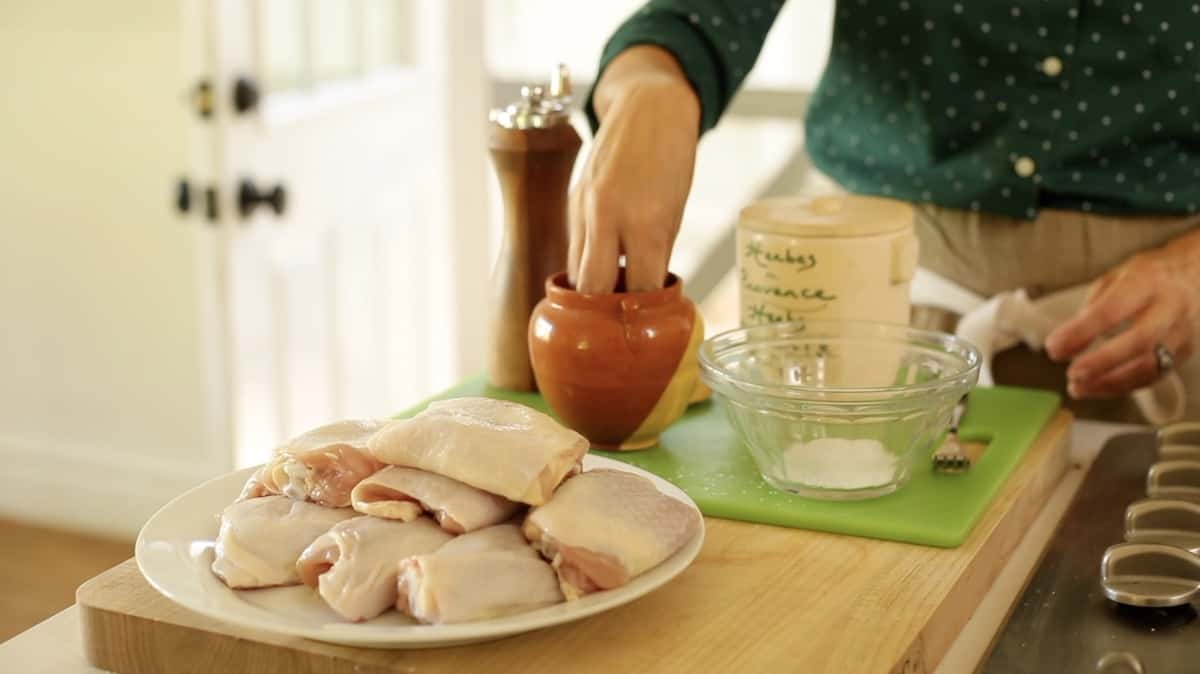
838	409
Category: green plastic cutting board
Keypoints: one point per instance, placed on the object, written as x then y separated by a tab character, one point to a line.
701	455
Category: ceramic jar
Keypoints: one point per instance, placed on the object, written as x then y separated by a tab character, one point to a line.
616	367
844	257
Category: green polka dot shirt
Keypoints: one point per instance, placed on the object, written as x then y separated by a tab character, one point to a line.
1003	107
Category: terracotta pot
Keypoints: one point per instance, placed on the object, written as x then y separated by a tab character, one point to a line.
618	367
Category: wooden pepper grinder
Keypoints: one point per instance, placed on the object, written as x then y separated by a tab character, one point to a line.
533	148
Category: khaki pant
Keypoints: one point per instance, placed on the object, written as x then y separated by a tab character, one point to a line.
988	254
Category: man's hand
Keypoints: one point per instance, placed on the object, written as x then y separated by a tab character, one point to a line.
1155	298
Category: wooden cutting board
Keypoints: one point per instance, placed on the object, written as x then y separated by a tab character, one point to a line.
759	598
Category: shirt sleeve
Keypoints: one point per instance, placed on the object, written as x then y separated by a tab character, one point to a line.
715	41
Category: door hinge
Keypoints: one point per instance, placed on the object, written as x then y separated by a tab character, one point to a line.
211	205
202	99
185	197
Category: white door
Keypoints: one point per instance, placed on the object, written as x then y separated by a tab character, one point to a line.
349	283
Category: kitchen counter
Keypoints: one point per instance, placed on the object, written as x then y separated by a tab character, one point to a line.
54	645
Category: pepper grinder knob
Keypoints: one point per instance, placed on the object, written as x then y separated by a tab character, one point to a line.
560	83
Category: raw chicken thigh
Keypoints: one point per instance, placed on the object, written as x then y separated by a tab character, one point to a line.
354	565
603	527
322	465
260	539
484	574
404	493
497	446
474	465
500	538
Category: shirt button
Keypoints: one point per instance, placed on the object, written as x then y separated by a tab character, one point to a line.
1024	167
1052	66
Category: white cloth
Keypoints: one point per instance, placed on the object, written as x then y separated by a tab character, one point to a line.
1010	318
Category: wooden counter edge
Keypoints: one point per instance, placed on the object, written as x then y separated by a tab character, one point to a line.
933	643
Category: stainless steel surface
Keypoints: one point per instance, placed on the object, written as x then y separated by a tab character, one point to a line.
1186	452
1181	433
1174	478
1063	623
1179	441
540	106
1119	663
950	457
1150	574
1168	521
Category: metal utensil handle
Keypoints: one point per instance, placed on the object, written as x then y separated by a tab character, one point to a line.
960	408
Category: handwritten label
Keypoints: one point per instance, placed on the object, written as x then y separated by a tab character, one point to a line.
762	313
818	294
762	258
780	283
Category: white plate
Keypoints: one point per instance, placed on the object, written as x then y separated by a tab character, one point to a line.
175	550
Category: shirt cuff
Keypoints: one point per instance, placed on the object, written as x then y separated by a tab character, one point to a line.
691	49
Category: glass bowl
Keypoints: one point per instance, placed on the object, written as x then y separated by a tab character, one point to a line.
838	409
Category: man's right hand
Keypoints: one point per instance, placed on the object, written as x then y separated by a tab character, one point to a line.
630	197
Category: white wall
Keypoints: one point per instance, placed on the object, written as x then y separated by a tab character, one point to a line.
102	387
526	37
